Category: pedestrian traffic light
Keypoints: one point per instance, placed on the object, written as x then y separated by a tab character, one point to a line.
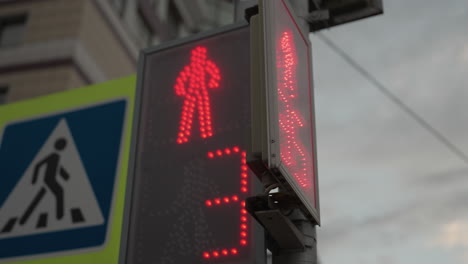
284	135
189	173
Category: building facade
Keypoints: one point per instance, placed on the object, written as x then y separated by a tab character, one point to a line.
48	46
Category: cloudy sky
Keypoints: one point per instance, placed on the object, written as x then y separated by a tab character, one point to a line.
390	192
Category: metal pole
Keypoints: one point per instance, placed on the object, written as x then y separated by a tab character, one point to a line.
309	254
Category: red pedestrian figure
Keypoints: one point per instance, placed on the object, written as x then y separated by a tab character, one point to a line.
193	83
294	153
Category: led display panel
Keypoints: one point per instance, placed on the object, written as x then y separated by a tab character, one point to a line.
189	175
291	135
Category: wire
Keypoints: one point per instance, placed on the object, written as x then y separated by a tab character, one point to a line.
387	92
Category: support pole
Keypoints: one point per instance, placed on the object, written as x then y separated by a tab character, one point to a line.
309	254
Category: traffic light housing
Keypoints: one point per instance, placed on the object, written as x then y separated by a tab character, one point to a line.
189	173
283	133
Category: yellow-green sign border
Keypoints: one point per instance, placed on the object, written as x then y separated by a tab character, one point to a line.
70	100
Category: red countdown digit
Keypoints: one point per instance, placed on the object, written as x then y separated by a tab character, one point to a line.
233	198
192	84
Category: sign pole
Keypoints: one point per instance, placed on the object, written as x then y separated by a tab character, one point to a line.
309	254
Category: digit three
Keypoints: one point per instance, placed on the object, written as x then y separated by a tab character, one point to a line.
215	202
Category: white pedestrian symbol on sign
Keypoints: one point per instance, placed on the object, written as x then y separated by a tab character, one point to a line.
54	193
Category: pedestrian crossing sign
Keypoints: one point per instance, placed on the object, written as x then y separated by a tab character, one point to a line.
62	175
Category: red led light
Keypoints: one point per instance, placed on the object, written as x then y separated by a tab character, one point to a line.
294	154
243	225
192	84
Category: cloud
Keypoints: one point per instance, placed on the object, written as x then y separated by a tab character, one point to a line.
415	217
454	235
387	186
403	225
465	53
451	178
355	121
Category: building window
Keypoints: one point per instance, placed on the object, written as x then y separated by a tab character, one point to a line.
3	94
12	30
